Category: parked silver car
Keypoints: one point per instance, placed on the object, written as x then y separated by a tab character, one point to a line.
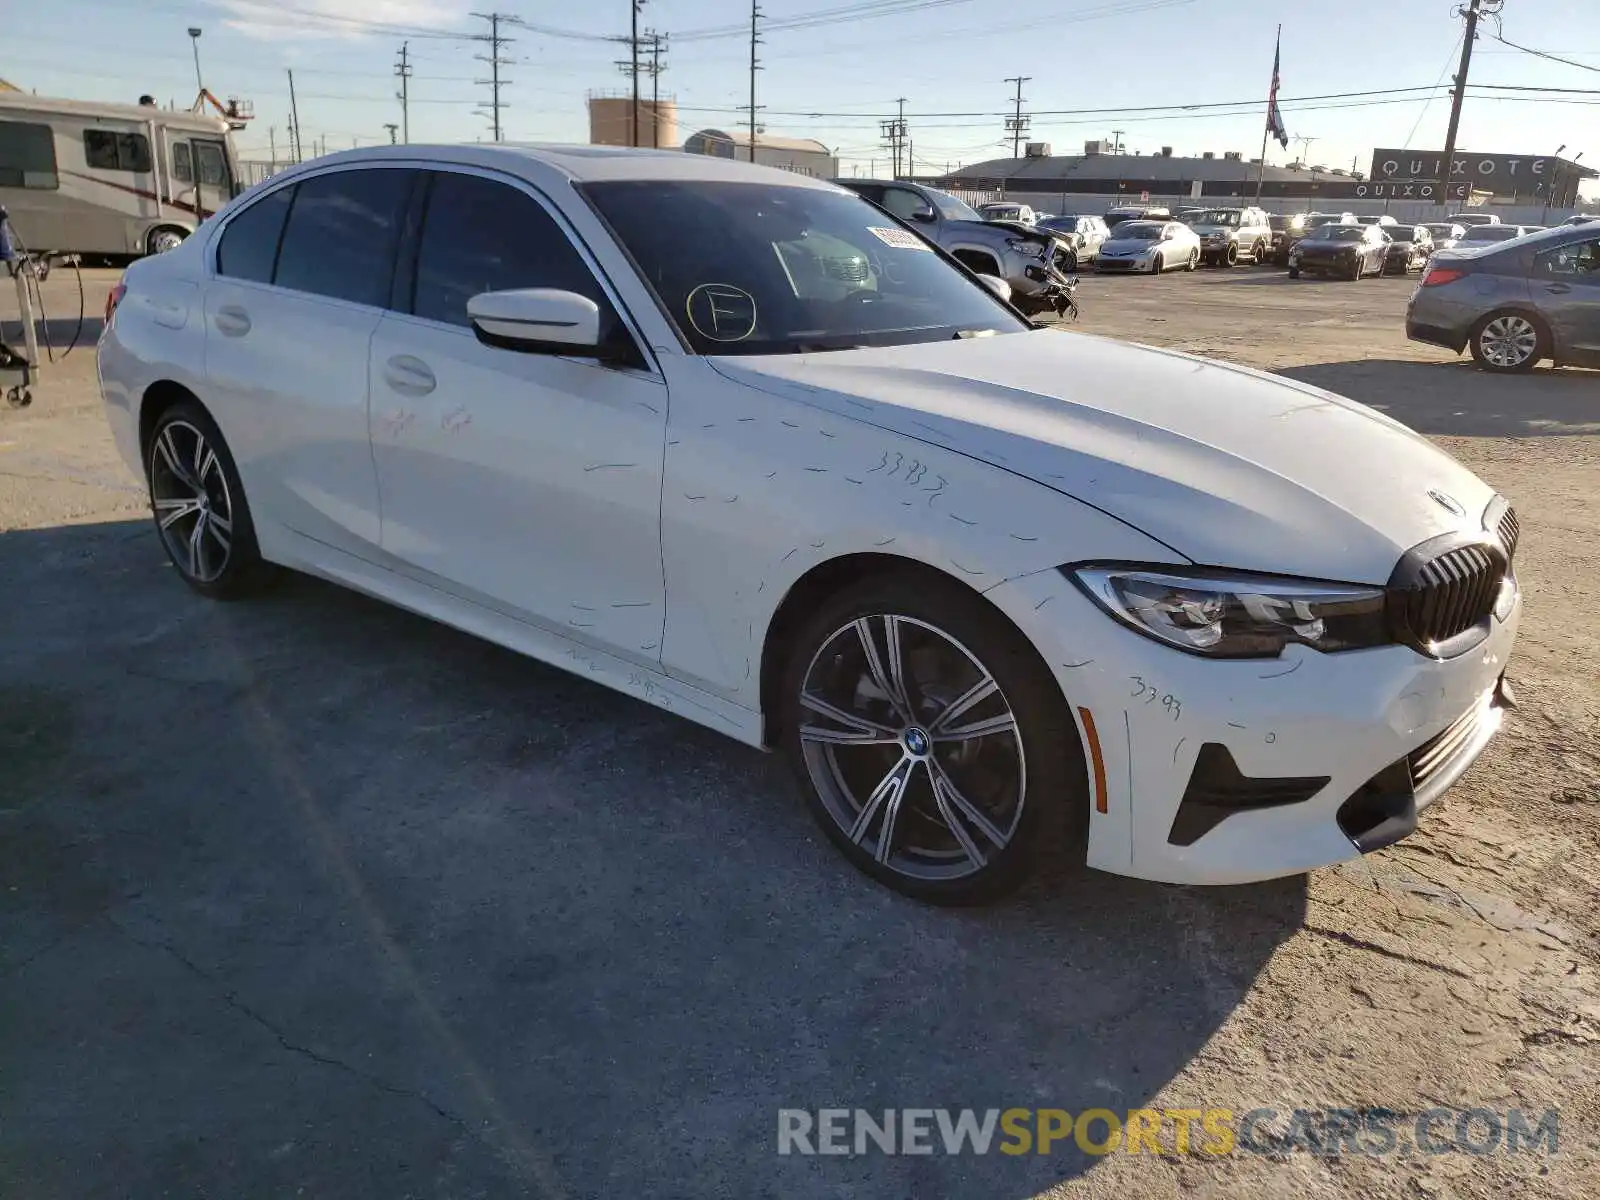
1150	247
1034	263
1082	231
1515	303
1230	234
1445	234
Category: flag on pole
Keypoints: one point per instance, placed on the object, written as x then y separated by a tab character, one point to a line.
1274	117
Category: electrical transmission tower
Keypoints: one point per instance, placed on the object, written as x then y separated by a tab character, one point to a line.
894	135
496	42
1017	126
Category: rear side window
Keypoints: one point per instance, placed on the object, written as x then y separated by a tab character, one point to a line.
27	156
249	245
107	150
341	234
484	236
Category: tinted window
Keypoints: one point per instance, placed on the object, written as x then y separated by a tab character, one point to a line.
182	165
106	150
902	202
27	156
1577	259
249	245
340	240
212	162
483	236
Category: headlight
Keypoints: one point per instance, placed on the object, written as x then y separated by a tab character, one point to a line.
1222	614
1026	248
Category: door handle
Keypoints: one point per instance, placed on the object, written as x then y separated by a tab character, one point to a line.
409	376
231	321
1560	289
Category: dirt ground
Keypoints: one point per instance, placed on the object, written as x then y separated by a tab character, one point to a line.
311	897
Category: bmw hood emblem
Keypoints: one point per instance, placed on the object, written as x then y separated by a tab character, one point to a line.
1447	502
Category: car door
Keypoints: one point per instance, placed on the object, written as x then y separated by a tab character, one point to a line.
1565	285
527	482
302	276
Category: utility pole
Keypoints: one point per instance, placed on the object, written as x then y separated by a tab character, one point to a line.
1116	141
496	42
294	120
272	144
1471	12
658	43
755	65
402	68
633	45
1305	147
1017	125
393	129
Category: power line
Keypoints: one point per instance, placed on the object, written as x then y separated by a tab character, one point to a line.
894	135
1544	54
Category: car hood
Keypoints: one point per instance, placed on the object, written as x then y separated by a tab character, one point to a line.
1207	230
1116	245
1228	466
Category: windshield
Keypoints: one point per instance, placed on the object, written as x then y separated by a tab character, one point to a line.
1216	216
1139	231
1318	220
1001	212
1114	218
951	208
1491	233
758	268
1338	233
1064	224
1443	231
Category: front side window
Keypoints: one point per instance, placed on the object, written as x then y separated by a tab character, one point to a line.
484	236
107	150
249	246
758	268
27	156
952	208
211	164
341	234
1577	260
902	202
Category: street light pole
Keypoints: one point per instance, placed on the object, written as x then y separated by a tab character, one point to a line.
194	41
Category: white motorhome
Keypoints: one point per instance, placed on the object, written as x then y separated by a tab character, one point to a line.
91	178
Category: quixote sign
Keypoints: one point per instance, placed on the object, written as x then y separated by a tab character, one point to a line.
1504	174
1407	189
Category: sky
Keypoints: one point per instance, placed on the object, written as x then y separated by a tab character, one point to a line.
835	77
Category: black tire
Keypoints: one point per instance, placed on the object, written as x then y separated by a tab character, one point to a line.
1506	363
223	560
1230	256
1038	760
1194	260
1294	272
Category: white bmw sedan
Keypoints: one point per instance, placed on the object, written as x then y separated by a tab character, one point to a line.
741	445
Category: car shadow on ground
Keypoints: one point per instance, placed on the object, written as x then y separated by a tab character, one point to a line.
1456	399
308	892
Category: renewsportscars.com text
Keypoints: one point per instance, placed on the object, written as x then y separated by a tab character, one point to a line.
1371	1132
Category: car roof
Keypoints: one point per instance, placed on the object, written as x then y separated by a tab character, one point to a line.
577	163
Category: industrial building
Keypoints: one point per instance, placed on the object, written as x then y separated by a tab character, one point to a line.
803	156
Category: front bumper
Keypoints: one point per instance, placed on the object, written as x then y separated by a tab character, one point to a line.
1127	265
1340	727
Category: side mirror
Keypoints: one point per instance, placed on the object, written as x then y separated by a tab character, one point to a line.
996	285
924	213
538	321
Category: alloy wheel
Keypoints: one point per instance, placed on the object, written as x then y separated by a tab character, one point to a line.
1508	341
912	747
193	507
165	239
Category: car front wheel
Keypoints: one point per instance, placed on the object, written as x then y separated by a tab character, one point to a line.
199	506
928	738
1509	342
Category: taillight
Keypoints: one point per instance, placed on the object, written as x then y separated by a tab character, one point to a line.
114	298
1439	275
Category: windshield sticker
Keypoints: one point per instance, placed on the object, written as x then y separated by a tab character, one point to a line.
721	312
900	239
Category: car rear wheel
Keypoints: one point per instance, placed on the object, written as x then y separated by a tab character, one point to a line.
1357	268
199	506
1509	342
1294	272
167	237
926	734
